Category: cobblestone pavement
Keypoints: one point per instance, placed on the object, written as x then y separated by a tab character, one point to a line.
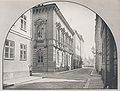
77	74
75	79
95	83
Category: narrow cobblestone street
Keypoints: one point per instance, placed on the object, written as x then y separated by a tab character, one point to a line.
81	78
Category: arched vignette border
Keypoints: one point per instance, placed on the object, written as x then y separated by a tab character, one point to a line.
52	1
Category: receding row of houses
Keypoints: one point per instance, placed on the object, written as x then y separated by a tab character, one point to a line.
43	40
106	54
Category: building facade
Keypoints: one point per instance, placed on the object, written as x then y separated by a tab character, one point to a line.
98	44
108	64
52	44
78	50
16	56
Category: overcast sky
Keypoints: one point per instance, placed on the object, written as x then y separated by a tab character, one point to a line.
81	19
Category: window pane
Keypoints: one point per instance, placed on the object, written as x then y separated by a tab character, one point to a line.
6	55
6	49
21	23
12	43
24	54
21	54
24	17
25	25
24	46
58	58
11	56
38	58
11	52
6	42
21	46
41	58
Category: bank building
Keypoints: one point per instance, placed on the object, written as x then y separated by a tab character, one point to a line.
52	39
41	39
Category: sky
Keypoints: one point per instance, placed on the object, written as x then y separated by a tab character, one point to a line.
81	19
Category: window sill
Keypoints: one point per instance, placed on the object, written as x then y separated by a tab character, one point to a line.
23	30
23	60
9	59
41	62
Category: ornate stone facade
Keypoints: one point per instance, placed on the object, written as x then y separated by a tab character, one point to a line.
52	39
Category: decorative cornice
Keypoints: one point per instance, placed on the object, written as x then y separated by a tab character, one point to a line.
63	19
43	8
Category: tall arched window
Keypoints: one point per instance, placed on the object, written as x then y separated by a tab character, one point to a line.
62	63
40	25
58	26
41	56
58	58
40	32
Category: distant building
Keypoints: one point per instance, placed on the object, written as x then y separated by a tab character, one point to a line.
16	58
108	65
78	50
82	47
88	62
52	39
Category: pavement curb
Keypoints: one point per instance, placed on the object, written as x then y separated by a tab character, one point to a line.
25	81
17	83
7	85
68	71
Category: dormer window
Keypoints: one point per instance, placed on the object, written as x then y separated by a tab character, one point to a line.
23	22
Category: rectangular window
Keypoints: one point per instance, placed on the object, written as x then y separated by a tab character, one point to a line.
23	52
23	22
58	58
59	35
40	56
9	49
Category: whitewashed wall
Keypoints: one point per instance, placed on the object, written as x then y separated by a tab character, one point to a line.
18	68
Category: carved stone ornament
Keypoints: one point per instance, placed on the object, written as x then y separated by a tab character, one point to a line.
40	22
58	25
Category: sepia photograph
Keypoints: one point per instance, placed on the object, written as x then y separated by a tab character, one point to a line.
60	45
